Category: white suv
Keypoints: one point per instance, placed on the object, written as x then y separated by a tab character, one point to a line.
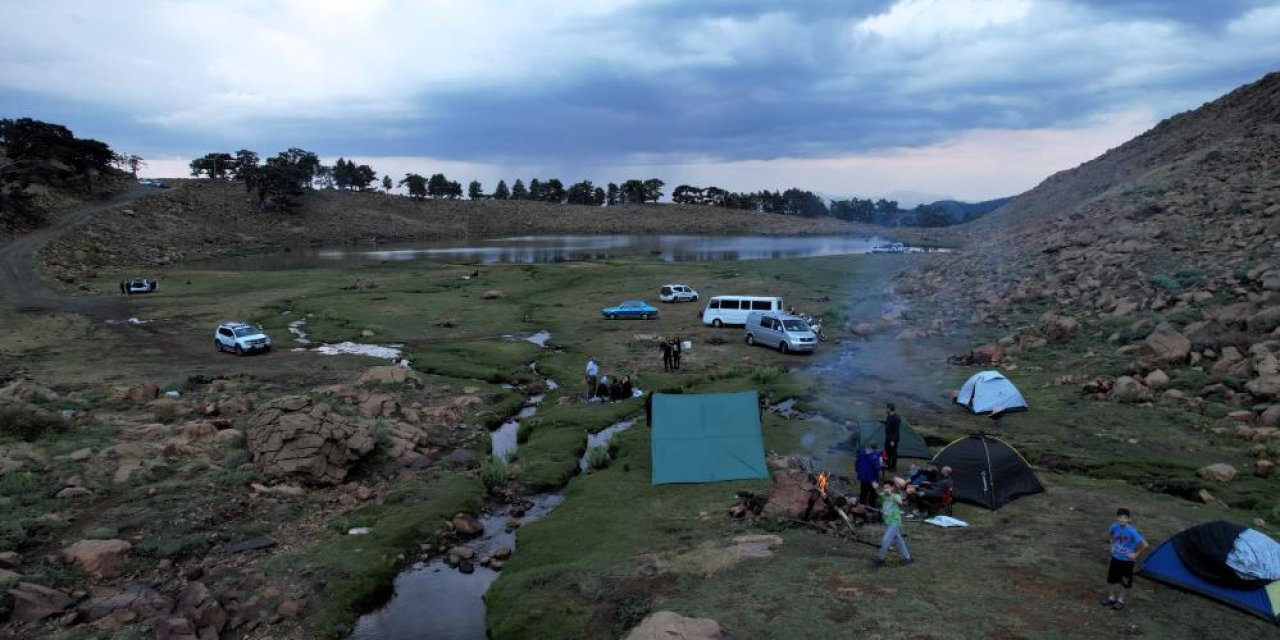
240	338
677	293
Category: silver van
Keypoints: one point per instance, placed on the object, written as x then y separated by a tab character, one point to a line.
785	332
722	310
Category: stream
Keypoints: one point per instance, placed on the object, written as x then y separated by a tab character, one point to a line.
437	601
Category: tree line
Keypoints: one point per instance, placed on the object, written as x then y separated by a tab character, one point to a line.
291	172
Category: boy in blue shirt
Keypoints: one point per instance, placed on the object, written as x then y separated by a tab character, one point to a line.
1126	545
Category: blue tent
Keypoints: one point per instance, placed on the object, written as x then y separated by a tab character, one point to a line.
1260	598
706	437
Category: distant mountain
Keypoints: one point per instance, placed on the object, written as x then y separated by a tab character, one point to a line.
966	211
909	199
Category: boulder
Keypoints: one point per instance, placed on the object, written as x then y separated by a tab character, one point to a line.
467	525
1242	415
390	375
10	560
1167	345
236	404
142	393
1231	364
1157	380
99	558
1128	389
134	596
1220	472
379	405
1057	328
1267	387
987	354
864	329
793	496
1264	468
1270	416
665	625
493	294
295	437
197	604
33	602
175	628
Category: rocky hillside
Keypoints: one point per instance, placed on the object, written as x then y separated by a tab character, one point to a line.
1169	245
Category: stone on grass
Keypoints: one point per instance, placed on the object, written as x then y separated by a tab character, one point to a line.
33	602
1220	472
1167	345
1157	380
667	625
296	437
99	558
1264	468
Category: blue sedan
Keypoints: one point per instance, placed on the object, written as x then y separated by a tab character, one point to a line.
630	309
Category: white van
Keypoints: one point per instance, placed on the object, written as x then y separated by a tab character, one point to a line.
781	331
722	310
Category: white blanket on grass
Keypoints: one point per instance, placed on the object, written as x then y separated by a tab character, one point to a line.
946	521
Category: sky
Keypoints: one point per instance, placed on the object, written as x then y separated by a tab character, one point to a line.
917	99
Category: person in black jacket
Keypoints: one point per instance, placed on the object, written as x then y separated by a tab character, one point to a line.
892	434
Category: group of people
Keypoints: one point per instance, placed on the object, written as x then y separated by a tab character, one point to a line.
923	488
670	354
603	388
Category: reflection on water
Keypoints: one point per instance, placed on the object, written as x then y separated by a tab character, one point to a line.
544	249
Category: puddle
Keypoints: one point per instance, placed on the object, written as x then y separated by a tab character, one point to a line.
601	439
434	600
540	338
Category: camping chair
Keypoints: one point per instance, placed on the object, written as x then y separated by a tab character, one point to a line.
940	504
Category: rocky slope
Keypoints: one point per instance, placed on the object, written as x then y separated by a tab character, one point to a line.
1169	244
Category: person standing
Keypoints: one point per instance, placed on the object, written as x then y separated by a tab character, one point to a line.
892	434
1126	545
665	346
675	353
867	466
123	288
592	372
891	513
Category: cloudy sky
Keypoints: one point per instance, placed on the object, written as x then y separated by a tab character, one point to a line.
966	98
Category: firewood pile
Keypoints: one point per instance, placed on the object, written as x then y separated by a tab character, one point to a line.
801	496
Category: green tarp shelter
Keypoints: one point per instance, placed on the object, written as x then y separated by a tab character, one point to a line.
910	445
706	437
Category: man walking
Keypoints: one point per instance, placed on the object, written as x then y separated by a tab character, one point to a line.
892	433
891	512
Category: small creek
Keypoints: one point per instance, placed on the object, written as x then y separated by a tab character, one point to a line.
434	600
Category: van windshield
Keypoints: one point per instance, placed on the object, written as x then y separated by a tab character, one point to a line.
795	325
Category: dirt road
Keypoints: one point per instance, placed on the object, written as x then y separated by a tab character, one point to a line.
20	282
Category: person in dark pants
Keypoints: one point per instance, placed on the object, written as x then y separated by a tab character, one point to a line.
666	355
1126	545
675	353
124	288
867	466
892	433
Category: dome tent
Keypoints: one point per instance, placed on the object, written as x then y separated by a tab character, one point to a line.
987	471
1232	564
990	392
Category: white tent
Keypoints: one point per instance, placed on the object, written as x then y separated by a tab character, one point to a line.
990	392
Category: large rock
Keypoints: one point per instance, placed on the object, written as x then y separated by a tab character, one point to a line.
1264	468
467	525
793	496
1157	380
1167	345
987	354
1270	417
198	605
391	375
134	596
295	437
1220	472
1267	387
99	558
1057	327
33	602
668	625
1128	389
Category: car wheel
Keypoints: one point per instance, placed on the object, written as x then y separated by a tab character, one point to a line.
217	345
644	316
716	323
782	346
751	339
239	350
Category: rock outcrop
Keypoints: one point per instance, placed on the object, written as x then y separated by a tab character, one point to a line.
298	438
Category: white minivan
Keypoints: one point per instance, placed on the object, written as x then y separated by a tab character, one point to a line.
781	331
722	310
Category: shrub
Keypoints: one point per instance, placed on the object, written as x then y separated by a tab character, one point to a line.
166	412
598	458
29	423
1189	380
495	473
764	374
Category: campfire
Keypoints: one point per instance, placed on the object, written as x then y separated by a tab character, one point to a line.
805	497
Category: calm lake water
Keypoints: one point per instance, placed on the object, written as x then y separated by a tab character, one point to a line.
544	249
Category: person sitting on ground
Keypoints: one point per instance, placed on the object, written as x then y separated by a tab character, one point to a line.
615	390
602	388
628	388
930	496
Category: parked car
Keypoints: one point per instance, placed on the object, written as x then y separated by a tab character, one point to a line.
677	293
784	332
153	183
630	309
141	285
240	338
890	247
722	310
